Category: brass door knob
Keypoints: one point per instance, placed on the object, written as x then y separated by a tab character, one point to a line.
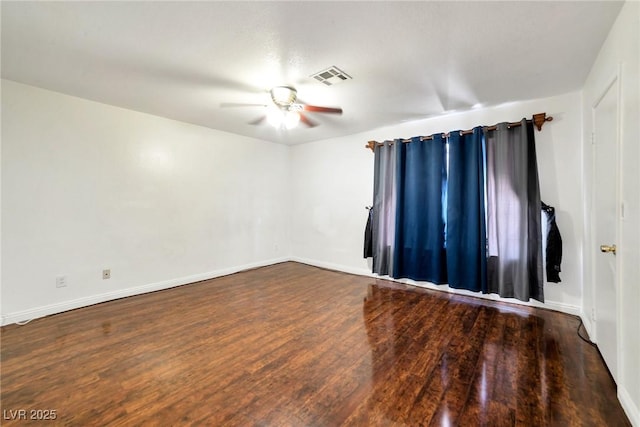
607	248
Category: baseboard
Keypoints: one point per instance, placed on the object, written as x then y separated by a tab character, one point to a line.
551	305
630	407
34	313
47	310
334	267
588	325
558	306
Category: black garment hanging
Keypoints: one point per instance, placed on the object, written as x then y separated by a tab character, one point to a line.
368	236
553	257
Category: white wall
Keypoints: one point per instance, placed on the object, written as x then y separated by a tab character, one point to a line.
87	186
333	182
620	54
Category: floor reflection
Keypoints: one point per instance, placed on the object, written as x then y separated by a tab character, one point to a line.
443	361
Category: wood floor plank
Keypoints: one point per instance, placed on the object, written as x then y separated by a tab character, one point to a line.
294	345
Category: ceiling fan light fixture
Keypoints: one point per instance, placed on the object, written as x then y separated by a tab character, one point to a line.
275	117
291	119
283	95
283	119
284	112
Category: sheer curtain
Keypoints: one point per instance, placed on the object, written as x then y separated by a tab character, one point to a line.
514	265
384	207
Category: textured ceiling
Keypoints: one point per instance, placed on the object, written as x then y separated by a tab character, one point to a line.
408	60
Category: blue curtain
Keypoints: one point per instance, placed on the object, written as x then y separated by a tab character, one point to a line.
466	227
419	247
463	211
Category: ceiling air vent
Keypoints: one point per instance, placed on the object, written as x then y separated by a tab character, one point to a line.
331	76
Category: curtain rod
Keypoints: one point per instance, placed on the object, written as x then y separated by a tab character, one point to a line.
538	119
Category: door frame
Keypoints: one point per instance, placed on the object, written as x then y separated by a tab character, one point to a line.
614	80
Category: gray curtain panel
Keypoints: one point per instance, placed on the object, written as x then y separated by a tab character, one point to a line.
514	264
384	207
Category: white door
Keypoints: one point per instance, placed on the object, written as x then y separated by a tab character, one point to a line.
605	133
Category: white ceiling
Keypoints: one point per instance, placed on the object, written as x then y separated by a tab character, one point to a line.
408	60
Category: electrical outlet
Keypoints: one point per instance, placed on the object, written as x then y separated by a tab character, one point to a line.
61	281
106	274
593	313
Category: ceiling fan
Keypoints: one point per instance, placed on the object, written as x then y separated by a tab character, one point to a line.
285	111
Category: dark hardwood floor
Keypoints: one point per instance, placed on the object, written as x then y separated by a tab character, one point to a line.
294	345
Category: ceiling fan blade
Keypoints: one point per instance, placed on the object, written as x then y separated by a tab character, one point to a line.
317	109
258	120
304	119
240	104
